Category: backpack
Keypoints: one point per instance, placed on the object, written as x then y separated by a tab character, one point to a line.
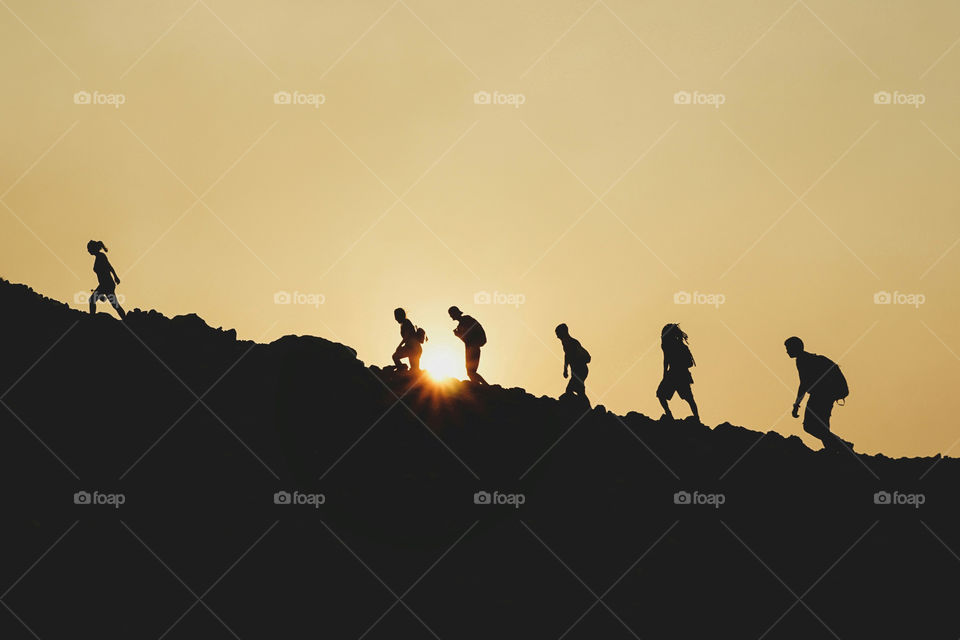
586	355
832	383
835	384
475	335
421	335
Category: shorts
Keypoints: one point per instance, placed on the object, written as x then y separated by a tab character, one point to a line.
679	384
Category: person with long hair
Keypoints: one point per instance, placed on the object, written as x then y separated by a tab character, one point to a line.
107	278
677	361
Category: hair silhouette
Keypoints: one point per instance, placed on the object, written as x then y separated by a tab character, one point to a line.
474	337
107	279
677	360
822	379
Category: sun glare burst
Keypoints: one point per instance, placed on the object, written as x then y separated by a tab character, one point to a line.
442	362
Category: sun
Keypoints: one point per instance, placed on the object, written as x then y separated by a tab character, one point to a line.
442	362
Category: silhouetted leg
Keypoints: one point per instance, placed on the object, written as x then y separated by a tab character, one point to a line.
112	297
577	385
415	359
473	363
664	392
666	407
816	421
93	301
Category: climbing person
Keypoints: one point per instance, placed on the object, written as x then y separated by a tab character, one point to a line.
822	379
576	359
474	337
107	279
411	342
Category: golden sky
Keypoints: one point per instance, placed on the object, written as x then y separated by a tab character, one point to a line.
811	165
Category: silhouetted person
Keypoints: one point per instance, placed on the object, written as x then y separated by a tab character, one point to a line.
411	342
106	275
474	337
822	379
677	360
576	358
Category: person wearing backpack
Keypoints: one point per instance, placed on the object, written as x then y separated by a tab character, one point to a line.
822	379
576	358
474	337
677	360
411	342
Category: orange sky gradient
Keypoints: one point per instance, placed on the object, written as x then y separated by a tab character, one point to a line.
597	202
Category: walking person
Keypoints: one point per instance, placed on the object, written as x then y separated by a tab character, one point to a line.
677	361
107	279
474	337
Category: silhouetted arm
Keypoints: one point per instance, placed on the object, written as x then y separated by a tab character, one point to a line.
566	362
116	278
801	391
